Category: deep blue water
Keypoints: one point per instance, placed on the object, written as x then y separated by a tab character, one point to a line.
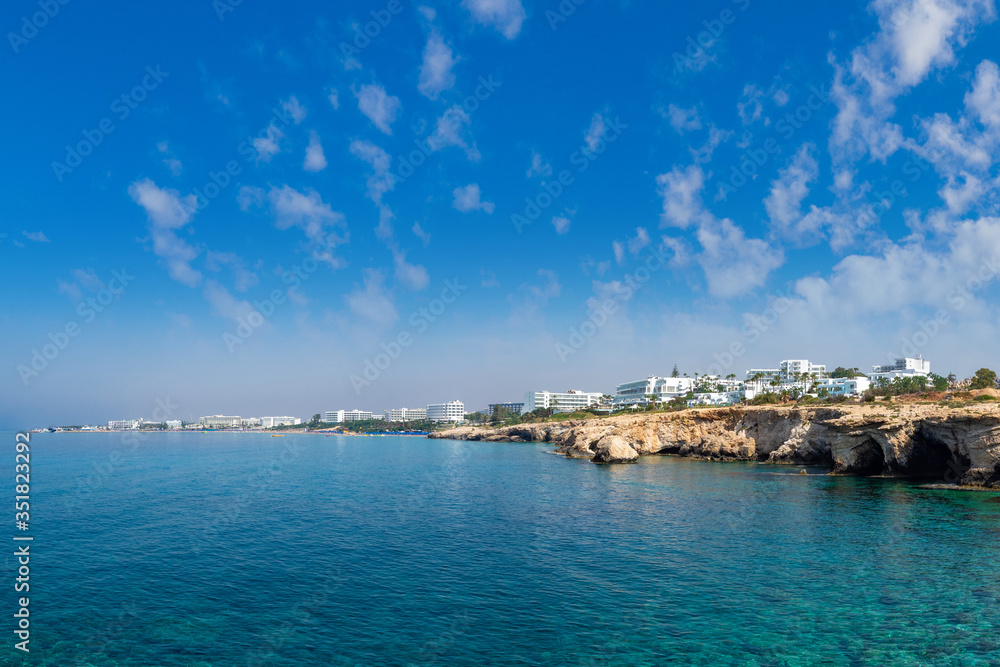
225	549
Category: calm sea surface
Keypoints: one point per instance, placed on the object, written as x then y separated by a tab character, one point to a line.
225	549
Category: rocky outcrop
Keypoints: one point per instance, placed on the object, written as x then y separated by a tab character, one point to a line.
957	445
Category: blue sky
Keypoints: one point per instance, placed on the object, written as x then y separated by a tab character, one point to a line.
525	194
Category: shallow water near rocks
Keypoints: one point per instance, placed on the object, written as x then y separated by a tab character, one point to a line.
237	549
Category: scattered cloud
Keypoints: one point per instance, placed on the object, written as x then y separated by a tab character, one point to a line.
468	199
373	301
167	212
435	72
315	159
38	237
270	145
683	120
173	164
539	167
594	133
507	16
561	223
424	237
294	109
380	107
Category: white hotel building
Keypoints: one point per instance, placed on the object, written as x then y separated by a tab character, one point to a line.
341	416
567	401
663	389
124	424
272	422
220	421
406	414
453	411
904	367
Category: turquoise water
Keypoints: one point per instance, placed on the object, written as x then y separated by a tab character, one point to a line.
225	549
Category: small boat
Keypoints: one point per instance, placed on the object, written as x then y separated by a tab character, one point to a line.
277	435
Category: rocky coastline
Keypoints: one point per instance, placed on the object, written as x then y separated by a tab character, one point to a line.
959	445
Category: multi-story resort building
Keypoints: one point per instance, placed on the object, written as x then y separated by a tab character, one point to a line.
220	421
124	424
662	389
453	411
903	367
340	416
273	422
406	415
174	424
567	401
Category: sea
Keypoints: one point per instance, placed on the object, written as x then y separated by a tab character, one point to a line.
233	549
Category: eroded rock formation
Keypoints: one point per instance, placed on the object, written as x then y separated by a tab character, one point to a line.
959	445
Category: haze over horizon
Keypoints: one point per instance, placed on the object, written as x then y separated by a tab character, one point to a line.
256	203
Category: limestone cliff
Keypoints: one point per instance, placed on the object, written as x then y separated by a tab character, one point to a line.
958	445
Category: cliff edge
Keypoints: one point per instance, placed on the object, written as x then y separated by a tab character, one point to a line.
957	445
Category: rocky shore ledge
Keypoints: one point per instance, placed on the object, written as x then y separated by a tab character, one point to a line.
957	445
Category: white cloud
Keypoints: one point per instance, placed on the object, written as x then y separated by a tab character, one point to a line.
38	237
593	136
380	181
784	203
412	276
716	136
173	164
334	98
315	159
684	120
681	192
507	16
561	223
468	199
270	145
734	264
539	167
378	106
224	303
984	98
294	109
373	301
325	228
618	248
452	130
424	237
639	241
435	72
167	213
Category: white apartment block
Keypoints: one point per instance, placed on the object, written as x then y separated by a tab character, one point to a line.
174	424
903	367
406	414
663	389
453	411
272	422
720	398
220	421
250	422
843	386
567	401
788	371
124	424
